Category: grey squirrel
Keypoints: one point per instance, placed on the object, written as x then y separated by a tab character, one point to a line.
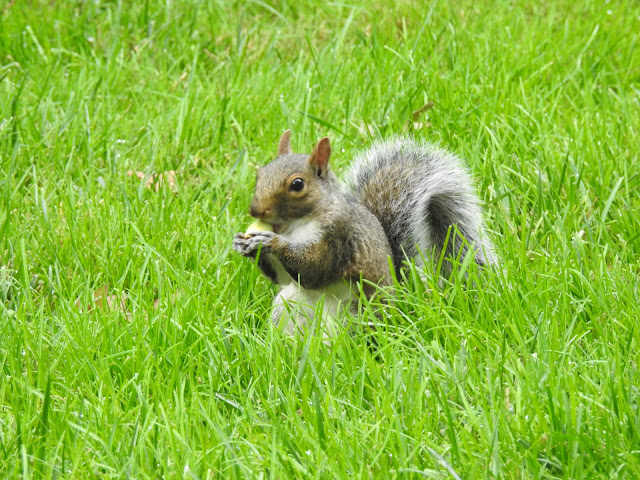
399	198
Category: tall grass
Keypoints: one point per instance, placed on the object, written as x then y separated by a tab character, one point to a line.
135	343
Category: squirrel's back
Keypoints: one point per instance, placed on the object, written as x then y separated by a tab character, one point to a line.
419	192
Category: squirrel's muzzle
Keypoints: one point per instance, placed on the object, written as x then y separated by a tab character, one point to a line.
258	212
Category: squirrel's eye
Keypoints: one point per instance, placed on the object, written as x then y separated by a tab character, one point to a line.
297	185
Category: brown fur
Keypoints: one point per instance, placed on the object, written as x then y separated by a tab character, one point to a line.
351	245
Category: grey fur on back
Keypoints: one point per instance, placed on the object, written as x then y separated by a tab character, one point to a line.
418	191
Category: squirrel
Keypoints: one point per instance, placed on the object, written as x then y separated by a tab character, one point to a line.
400	198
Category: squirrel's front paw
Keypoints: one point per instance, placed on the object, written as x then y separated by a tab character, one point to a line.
249	244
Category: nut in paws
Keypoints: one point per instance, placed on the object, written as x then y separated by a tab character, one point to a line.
248	245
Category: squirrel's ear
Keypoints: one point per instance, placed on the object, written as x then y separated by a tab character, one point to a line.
284	147
319	158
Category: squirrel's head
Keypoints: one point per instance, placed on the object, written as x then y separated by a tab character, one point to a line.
292	185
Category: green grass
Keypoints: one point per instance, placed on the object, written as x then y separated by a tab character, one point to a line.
135	344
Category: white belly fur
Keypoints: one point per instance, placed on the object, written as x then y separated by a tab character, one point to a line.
282	276
295	307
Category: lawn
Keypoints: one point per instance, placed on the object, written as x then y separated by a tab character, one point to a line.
134	343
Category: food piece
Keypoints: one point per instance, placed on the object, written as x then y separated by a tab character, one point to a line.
259	226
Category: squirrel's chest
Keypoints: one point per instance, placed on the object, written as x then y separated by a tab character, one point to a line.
301	231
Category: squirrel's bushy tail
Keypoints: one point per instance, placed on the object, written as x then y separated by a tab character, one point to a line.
421	195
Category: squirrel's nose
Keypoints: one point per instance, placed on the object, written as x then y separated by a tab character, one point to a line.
257	212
